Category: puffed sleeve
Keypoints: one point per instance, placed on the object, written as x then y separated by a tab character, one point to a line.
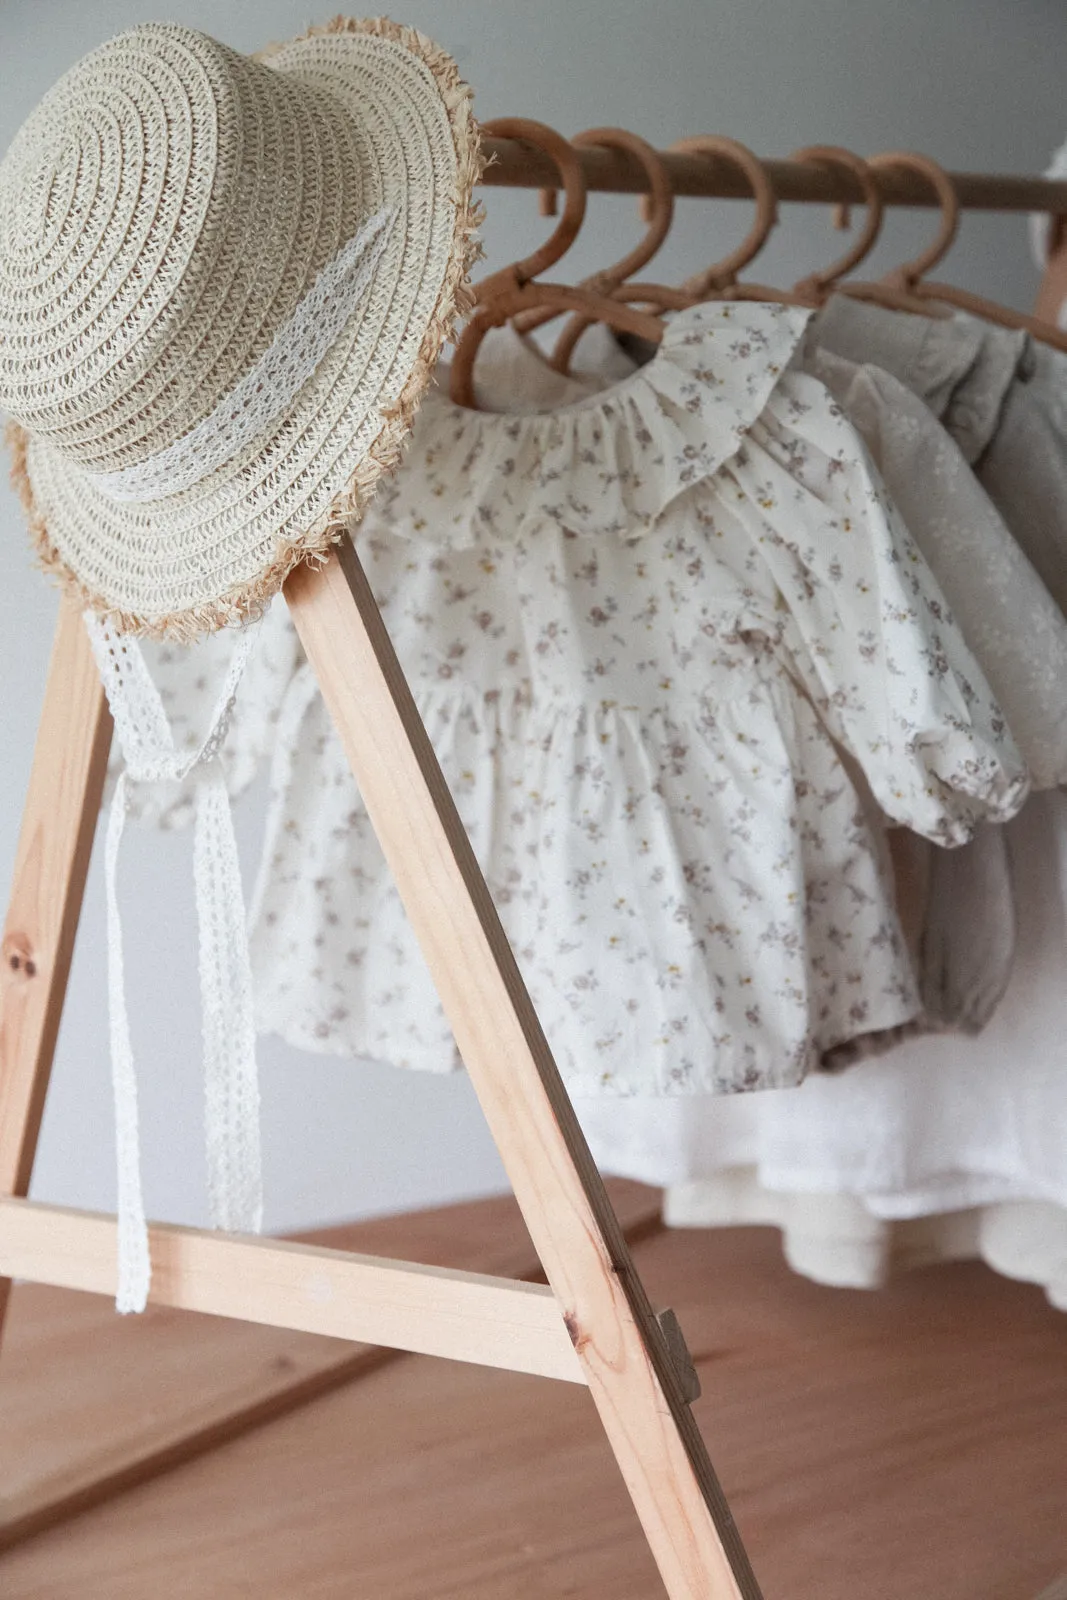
861	622
1015	629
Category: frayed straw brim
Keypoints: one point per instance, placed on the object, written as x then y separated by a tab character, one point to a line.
212	556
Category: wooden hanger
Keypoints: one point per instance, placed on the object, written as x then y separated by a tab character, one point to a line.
897	291
720	280
817	287
657	210
503	294
910	277
661	296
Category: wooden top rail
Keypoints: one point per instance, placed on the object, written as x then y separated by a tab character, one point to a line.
516	165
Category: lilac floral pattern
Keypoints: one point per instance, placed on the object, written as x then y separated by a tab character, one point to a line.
679	658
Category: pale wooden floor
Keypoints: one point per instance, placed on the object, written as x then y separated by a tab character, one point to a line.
896	1446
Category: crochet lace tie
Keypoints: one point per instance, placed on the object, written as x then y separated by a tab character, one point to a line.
231	1084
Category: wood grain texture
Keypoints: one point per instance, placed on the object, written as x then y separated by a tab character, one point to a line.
629	1369
92	1404
47	886
51	862
438	1311
898	1445
512	163
172	1431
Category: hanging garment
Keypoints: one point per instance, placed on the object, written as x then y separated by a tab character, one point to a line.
966	375
678	655
943	1150
188	676
965	943
960	910
1025	467
677	1145
961	367
1001	395
947	1147
1017	632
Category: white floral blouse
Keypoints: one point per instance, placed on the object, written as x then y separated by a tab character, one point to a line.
678	657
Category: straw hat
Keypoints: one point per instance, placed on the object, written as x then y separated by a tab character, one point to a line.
224	283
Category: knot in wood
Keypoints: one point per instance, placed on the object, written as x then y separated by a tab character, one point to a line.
18	955
578	1339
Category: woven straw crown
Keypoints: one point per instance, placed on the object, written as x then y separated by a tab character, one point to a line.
167	215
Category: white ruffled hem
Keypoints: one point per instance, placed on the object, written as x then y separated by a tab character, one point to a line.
835	1239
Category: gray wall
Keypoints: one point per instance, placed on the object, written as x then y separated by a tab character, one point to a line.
975	83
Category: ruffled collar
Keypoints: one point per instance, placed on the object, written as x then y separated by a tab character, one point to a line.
589	461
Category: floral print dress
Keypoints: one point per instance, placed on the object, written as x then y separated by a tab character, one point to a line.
680	659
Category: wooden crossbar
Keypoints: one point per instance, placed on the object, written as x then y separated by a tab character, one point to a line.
513	164
433	1311
167	1439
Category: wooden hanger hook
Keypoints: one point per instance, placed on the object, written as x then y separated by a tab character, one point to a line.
909	273
562	152
658	214
818	284
723	274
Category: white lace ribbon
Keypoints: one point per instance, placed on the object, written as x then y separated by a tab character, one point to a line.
230	1076
269	387
231	1083
135	1268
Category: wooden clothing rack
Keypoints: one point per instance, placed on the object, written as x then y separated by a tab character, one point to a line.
592	1324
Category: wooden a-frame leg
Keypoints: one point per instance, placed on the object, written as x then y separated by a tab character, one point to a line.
622	1348
55	842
